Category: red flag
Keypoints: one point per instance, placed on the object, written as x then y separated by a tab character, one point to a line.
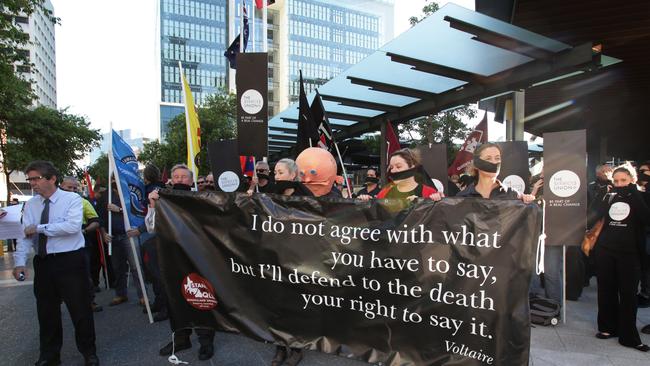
260	3
466	152
247	166
165	176
392	141
91	193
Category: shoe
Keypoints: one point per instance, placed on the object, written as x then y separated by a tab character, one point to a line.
177	346
160	316
206	351
96	308
294	357
91	360
643	302
118	300
641	347
280	356
646	329
46	362
603	335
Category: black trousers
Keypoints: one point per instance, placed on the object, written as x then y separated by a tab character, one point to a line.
150	249
60	278
618	279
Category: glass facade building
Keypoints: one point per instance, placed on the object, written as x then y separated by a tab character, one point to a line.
195	33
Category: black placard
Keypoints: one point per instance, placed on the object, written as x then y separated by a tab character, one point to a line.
565	186
252	104
224	162
442	282
434	161
514	165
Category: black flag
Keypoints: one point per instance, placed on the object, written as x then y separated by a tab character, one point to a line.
233	50
325	135
307	127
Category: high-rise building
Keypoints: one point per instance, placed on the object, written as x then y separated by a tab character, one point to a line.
41	51
320	37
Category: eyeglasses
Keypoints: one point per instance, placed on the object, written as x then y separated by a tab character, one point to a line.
262	171
32	179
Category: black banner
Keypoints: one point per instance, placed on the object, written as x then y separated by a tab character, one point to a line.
514	165
434	161
565	186
224	162
441	283
252	105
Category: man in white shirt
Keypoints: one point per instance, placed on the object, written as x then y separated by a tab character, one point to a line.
52	223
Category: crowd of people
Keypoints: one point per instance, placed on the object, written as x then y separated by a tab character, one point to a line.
70	259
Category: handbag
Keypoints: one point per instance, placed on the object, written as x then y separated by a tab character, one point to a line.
589	241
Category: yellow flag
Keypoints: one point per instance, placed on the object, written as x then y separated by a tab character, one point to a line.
193	126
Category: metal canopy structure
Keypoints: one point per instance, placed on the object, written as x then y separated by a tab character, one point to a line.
453	57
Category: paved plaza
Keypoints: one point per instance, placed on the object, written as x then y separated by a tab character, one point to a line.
125	338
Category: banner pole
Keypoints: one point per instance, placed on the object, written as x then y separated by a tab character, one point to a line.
345	174
102	258
110	187
254	48
136	257
563	284
265	26
241	28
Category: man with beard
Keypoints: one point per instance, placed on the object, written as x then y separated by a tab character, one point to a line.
371	184
182	179
262	179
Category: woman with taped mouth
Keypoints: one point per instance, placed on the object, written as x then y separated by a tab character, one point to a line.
618	256
485	169
287	183
403	165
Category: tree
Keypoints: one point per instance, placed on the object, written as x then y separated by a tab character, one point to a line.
47	134
444	127
99	170
12	38
218	118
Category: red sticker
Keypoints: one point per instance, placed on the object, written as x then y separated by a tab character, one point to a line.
198	292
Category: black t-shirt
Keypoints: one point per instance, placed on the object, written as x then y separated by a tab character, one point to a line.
498	192
626	215
268	188
372	193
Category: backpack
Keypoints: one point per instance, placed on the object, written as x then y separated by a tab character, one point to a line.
544	311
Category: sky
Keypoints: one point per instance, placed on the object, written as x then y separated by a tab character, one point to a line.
107	65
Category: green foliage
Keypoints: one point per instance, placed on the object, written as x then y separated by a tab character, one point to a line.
99	170
427	10
12	37
218	119
372	143
48	134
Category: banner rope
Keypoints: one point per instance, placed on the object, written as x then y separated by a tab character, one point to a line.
541	242
173	359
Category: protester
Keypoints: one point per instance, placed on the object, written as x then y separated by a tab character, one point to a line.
618	256
317	171
200	183
286	179
122	257
286	183
262	179
182	179
90	224
151	175
370	184
596	190
209	182
402	168
52	224
644	187
485	170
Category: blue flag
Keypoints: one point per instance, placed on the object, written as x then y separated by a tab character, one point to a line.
131	186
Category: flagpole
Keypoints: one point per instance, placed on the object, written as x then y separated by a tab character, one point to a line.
241	28
127	227
253	20
345	174
110	187
188	128
265	26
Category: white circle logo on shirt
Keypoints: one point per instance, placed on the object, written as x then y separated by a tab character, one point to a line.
252	101
228	181
564	183
515	182
619	211
438	185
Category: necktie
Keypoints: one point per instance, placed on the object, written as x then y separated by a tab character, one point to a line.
42	239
